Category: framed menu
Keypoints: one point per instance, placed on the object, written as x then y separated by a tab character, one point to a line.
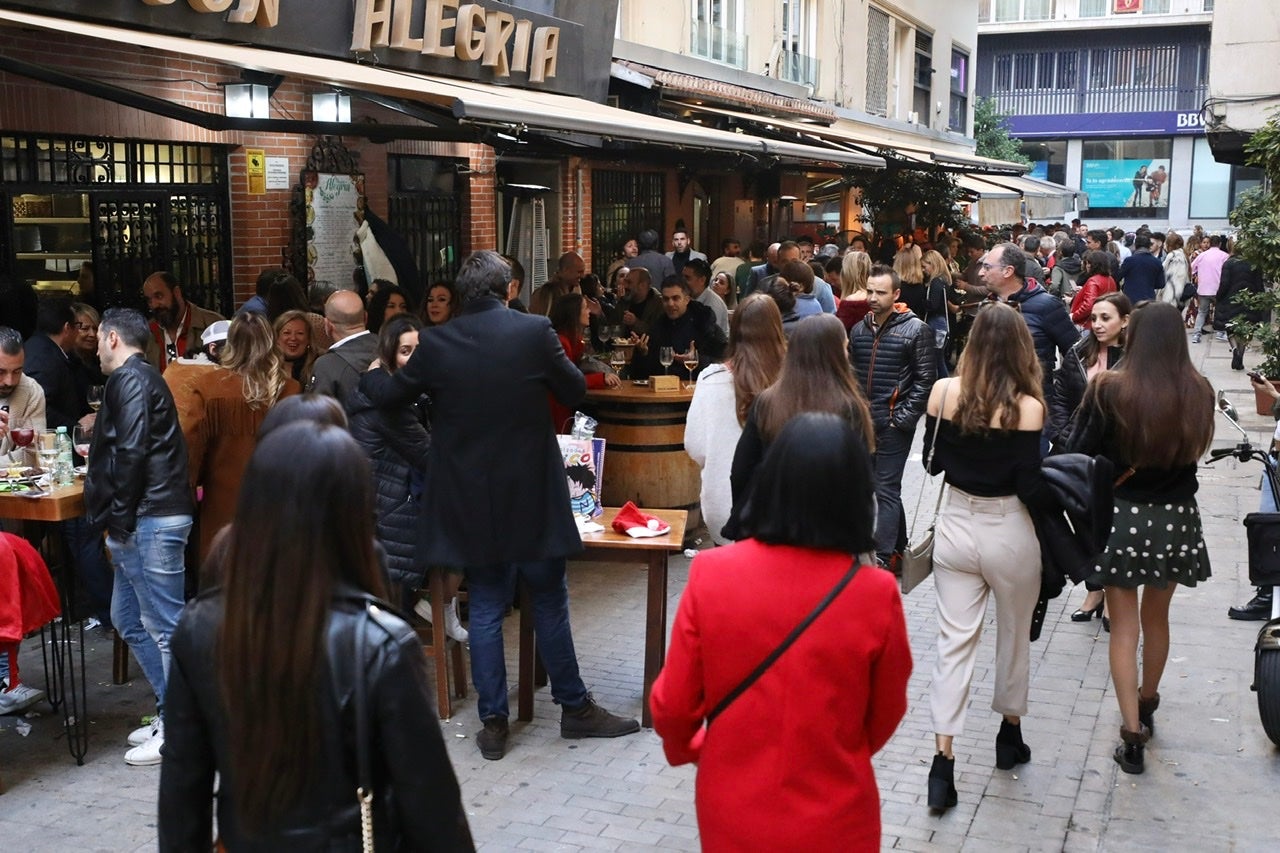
334	209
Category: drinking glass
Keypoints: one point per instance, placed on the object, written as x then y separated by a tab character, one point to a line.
81	440
95	397
666	357
617	358
47	448
23	434
690	363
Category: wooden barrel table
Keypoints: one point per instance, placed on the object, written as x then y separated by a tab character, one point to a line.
644	458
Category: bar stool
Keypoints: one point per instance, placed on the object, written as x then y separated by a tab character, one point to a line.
433	637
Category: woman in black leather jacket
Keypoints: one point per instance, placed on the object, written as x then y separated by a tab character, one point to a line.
265	669
1100	349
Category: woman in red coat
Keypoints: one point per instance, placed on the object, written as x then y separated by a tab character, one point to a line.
570	317
787	765
1098	282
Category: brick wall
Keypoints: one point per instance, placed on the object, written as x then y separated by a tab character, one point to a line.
480	201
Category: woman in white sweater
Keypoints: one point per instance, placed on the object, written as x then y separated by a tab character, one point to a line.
1176	271
723	395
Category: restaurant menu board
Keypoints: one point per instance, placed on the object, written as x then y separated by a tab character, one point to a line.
584	468
335	208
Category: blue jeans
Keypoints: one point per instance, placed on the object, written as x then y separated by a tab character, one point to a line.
892	447
148	594
490	590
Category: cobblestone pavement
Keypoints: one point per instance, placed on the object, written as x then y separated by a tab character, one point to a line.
1210	782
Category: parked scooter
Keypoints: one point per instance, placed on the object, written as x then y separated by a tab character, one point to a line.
1263	531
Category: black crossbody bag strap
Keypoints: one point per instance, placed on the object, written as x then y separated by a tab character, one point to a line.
784	645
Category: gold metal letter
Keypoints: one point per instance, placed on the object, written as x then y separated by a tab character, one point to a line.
498	28
210	5
546	44
520	52
434	25
468	44
373	19
266	13
400	38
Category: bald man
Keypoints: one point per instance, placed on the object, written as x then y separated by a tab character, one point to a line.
354	348
569	273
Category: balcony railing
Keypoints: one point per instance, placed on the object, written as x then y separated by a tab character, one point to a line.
1031	102
718	44
799	68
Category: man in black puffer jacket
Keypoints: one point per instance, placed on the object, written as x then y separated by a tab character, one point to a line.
1046	317
893	353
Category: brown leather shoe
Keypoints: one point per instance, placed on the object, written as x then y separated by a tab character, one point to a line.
593	721
492	740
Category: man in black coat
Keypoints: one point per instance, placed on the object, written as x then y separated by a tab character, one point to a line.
495	499
683	323
894	354
48	361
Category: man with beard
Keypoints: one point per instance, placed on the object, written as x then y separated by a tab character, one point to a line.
684	323
176	323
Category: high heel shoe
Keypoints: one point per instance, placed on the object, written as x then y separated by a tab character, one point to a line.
1010	750
1086	615
1129	754
1146	713
942	783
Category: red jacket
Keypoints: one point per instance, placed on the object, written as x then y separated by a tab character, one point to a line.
28	598
787	766
1082	302
561	416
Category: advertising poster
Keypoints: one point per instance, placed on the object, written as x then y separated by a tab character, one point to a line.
584	467
1126	183
334	209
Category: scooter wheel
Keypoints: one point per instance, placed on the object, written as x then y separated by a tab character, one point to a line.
1267	681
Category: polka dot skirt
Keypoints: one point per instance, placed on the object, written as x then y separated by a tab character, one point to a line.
1154	544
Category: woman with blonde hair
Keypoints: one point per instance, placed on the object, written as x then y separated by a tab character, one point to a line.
914	292
724	395
293	332
983	429
220	408
855	269
938	279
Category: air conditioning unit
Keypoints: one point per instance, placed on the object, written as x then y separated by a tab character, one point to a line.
913	117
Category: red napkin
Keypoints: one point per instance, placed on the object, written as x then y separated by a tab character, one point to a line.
637	524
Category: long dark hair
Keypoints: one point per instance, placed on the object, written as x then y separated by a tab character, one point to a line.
757	347
284	561
566	315
1088	351
816	377
378	305
997	367
389	339
814	488
1161	405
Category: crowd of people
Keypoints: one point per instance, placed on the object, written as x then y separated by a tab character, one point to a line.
420	441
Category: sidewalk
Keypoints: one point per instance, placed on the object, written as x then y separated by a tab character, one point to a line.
1211	773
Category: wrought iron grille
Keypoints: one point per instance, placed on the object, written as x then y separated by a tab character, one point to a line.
80	160
878	32
431	223
622	205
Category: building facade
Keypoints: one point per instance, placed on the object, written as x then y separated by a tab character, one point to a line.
1244	78
1108	96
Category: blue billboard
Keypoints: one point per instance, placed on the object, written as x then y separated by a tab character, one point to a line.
1126	183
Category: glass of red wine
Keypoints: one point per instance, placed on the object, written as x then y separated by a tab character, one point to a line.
23	434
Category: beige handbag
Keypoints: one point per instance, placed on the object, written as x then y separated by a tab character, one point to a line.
917	560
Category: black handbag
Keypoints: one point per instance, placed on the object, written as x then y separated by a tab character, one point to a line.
364	771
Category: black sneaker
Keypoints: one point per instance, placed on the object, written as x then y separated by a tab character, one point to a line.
492	740
593	721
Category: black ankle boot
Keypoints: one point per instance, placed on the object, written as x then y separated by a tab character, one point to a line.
1010	749
942	783
1237	358
1129	754
1146	713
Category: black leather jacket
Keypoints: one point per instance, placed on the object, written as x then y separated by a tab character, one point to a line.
417	802
896	365
1069	383
138	457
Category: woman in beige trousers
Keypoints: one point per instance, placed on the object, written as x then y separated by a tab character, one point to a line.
983	430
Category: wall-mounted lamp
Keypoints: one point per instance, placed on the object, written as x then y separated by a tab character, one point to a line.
247	100
331	107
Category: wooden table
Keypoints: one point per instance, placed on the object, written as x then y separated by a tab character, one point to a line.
645	461
612	547
57	505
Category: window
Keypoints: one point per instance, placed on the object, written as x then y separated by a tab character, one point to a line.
922	94
958	117
1127	177
1019	10
622	205
799	42
1216	187
1155	7
716	32
1048	160
878	32
1094	8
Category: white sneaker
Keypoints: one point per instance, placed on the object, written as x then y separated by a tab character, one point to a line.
423	609
1220	336
19	698
149	752
144	733
452	624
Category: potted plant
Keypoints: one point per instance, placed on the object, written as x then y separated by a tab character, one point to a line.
1257	220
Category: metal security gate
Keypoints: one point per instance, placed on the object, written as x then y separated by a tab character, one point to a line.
431	223
622	205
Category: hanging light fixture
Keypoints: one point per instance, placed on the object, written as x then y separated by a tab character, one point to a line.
247	100
331	107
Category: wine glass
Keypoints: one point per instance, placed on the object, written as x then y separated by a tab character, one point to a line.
23	434
81	440
691	362
95	397
617	358
666	357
